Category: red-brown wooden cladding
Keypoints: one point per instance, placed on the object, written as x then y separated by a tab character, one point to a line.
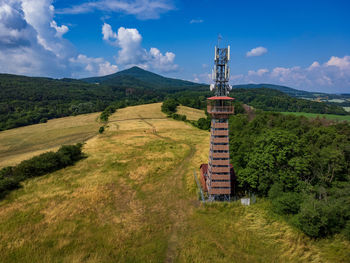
220	155
204	170
220	162
220	140
221	177
220	132
221	125
220	147
220	170
220	191
220	184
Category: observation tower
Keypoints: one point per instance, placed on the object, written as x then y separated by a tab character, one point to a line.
217	175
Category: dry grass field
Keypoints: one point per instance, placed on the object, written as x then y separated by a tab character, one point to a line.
191	114
133	199
22	143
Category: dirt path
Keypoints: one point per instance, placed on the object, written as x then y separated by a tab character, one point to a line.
182	207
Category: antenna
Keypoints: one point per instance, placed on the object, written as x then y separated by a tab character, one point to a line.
221	71
219	38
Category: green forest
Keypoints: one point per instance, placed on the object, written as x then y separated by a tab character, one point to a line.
301	165
28	100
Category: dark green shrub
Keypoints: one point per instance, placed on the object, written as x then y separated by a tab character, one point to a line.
10	177
101	130
346	230
287	203
169	106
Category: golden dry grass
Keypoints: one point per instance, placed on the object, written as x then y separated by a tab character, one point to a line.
191	114
134	200
23	143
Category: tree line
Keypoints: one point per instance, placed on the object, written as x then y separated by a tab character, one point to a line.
12	176
301	165
25	101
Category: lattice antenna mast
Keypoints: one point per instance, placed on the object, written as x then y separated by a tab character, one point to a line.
221	71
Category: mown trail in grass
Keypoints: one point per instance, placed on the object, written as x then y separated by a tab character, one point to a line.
134	200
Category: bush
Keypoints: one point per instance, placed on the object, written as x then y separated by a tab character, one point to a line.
10	177
319	218
101	130
287	203
203	123
346	230
169	106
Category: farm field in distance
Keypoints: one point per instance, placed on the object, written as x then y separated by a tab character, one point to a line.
191	113
314	115
23	143
134	199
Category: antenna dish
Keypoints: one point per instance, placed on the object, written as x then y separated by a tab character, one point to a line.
212	86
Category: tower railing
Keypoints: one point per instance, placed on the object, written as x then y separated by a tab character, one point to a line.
220	109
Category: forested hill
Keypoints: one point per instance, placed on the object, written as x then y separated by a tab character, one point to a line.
137	77
28	100
289	91
274	100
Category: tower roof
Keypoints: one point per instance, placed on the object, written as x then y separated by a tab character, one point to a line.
220	98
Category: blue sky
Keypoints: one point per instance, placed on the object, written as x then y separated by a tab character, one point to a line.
301	44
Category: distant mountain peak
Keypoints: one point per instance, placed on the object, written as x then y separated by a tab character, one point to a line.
136	76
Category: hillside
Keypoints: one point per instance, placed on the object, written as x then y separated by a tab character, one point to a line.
137	77
29	100
134	200
287	90
22	143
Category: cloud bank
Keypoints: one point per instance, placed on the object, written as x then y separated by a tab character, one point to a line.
131	52
255	52
32	43
142	9
330	76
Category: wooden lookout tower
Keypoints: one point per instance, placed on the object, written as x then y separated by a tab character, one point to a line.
218	174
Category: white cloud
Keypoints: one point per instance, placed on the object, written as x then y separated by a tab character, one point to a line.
142	9
315	64
259	72
341	63
32	43
196	21
258	51
60	30
93	66
331	76
108	33
202	78
131	52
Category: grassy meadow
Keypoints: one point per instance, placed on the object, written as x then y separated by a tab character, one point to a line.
134	199
191	113
315	115
23	143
